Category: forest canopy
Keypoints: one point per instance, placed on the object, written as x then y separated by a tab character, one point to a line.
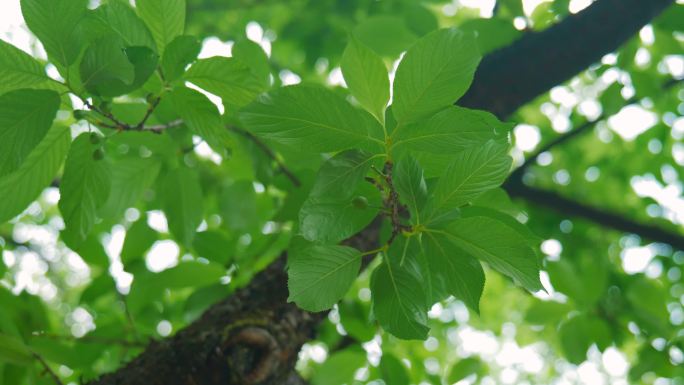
326	192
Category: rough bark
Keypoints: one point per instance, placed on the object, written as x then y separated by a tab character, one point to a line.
515	75
254	336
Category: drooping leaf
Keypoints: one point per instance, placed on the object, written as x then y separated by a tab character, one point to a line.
311	119
25	117
165	19
435	72
393	371
109	68
148	287
18	69
330	220
56	24
410	184
39	168
130	177
340	176
118	18
471	173
139	238
84	188
398	303
499	245
453	272
201	116
339	368
451	130
385	34
464	368
180	52
366	76
228	78
254	57
214	246
320	275
182	200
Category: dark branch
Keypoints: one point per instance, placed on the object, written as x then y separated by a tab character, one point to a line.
572	208
512	76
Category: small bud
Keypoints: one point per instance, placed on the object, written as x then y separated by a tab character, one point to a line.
98	154
79	114
94	138
360	202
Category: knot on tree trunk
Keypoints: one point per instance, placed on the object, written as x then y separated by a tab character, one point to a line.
253	355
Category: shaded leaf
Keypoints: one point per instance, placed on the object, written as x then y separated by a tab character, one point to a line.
320	275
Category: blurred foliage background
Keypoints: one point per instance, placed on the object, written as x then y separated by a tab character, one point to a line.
613	312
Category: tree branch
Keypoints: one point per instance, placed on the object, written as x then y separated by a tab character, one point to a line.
572	208
512	76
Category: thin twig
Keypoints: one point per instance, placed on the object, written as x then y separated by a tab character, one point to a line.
47	368
129	317
267	150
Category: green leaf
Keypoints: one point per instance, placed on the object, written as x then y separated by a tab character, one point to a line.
387	35
130	178
339	368
471	173
84	188
320	275
452	272
546	312
106	66
109	68
434	73
366	76
340	176
25	117
56	24
182	51
574	339
410	184
492	33
214	246
182	203
238	203
228	78
450	130
148	287
201	116
165	18
311	119
398	303
118	18
330	220
13	350
254	57
477	211
464	368
18	69
21	187
139	238
393	371
499	245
